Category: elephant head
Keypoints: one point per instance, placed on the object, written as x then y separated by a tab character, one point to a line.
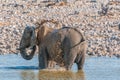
28	40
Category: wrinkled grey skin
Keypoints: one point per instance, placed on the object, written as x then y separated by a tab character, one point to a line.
68	43
28	39
63	46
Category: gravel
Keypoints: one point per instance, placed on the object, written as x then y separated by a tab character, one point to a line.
102	31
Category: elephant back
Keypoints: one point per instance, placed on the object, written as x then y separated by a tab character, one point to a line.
73	34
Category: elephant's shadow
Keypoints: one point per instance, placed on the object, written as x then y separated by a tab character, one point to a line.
20	67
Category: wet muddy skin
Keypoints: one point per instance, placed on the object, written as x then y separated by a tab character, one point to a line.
14	67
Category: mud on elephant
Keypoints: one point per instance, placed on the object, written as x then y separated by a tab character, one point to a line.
63	46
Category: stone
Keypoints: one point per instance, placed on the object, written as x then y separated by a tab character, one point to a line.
99	30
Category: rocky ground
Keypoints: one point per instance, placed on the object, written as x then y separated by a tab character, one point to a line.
100	28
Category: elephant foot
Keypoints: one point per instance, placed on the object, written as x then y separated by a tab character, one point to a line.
51	64
80	64
80	67
68	68
41	68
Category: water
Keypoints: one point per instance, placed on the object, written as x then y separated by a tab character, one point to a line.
14	67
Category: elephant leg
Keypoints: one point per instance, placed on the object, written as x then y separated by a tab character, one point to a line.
80	60
69	59
43	59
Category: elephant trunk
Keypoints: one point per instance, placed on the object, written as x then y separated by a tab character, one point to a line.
23	52
27	56
28	40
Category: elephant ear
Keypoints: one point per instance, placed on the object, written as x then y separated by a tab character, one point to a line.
42	33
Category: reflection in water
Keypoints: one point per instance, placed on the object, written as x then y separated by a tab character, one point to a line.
28	75
52	75
61	75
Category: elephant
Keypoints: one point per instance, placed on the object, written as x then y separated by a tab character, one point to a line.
64	46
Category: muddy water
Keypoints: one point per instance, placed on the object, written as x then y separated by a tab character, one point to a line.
13	67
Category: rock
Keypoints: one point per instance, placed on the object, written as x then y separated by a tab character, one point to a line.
104	9
117	55
119	26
